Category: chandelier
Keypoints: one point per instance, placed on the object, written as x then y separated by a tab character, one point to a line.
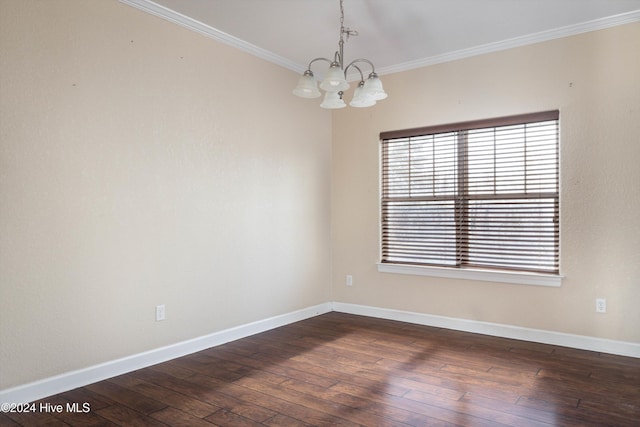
335	81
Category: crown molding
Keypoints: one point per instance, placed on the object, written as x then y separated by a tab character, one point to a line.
208	31
543	36
556	33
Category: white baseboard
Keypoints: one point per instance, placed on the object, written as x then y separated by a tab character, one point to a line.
581	342
70	380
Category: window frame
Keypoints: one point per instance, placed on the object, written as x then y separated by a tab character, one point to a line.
494	274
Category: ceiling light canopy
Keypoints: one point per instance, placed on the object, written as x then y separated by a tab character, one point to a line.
366	94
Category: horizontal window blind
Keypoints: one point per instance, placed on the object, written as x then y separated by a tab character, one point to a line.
477	194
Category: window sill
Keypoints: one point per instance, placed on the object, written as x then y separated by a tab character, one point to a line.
518	278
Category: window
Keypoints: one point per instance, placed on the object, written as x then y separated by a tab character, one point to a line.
480	195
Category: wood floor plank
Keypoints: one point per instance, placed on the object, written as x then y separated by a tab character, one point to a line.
125	416
340	410
212	391
546	415
182	402
281	420
277	366
224	418
391	406
128	398
344	370
5	421
35	419
176	418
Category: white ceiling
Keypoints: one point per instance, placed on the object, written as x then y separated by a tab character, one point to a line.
395	35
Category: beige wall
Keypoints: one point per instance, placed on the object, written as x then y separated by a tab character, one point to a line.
145	164
594	80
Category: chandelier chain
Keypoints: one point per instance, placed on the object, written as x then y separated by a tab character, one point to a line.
348	31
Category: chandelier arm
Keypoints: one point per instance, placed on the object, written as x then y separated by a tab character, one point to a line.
318	59
373	68
356	67
337	57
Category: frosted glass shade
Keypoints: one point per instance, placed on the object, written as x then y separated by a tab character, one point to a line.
307	86
361	98
332	100
334	81
373	87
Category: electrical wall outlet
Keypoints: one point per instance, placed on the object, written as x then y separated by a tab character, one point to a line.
160	313
601	305
349	280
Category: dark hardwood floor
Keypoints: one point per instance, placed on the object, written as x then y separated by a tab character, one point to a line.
340	369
